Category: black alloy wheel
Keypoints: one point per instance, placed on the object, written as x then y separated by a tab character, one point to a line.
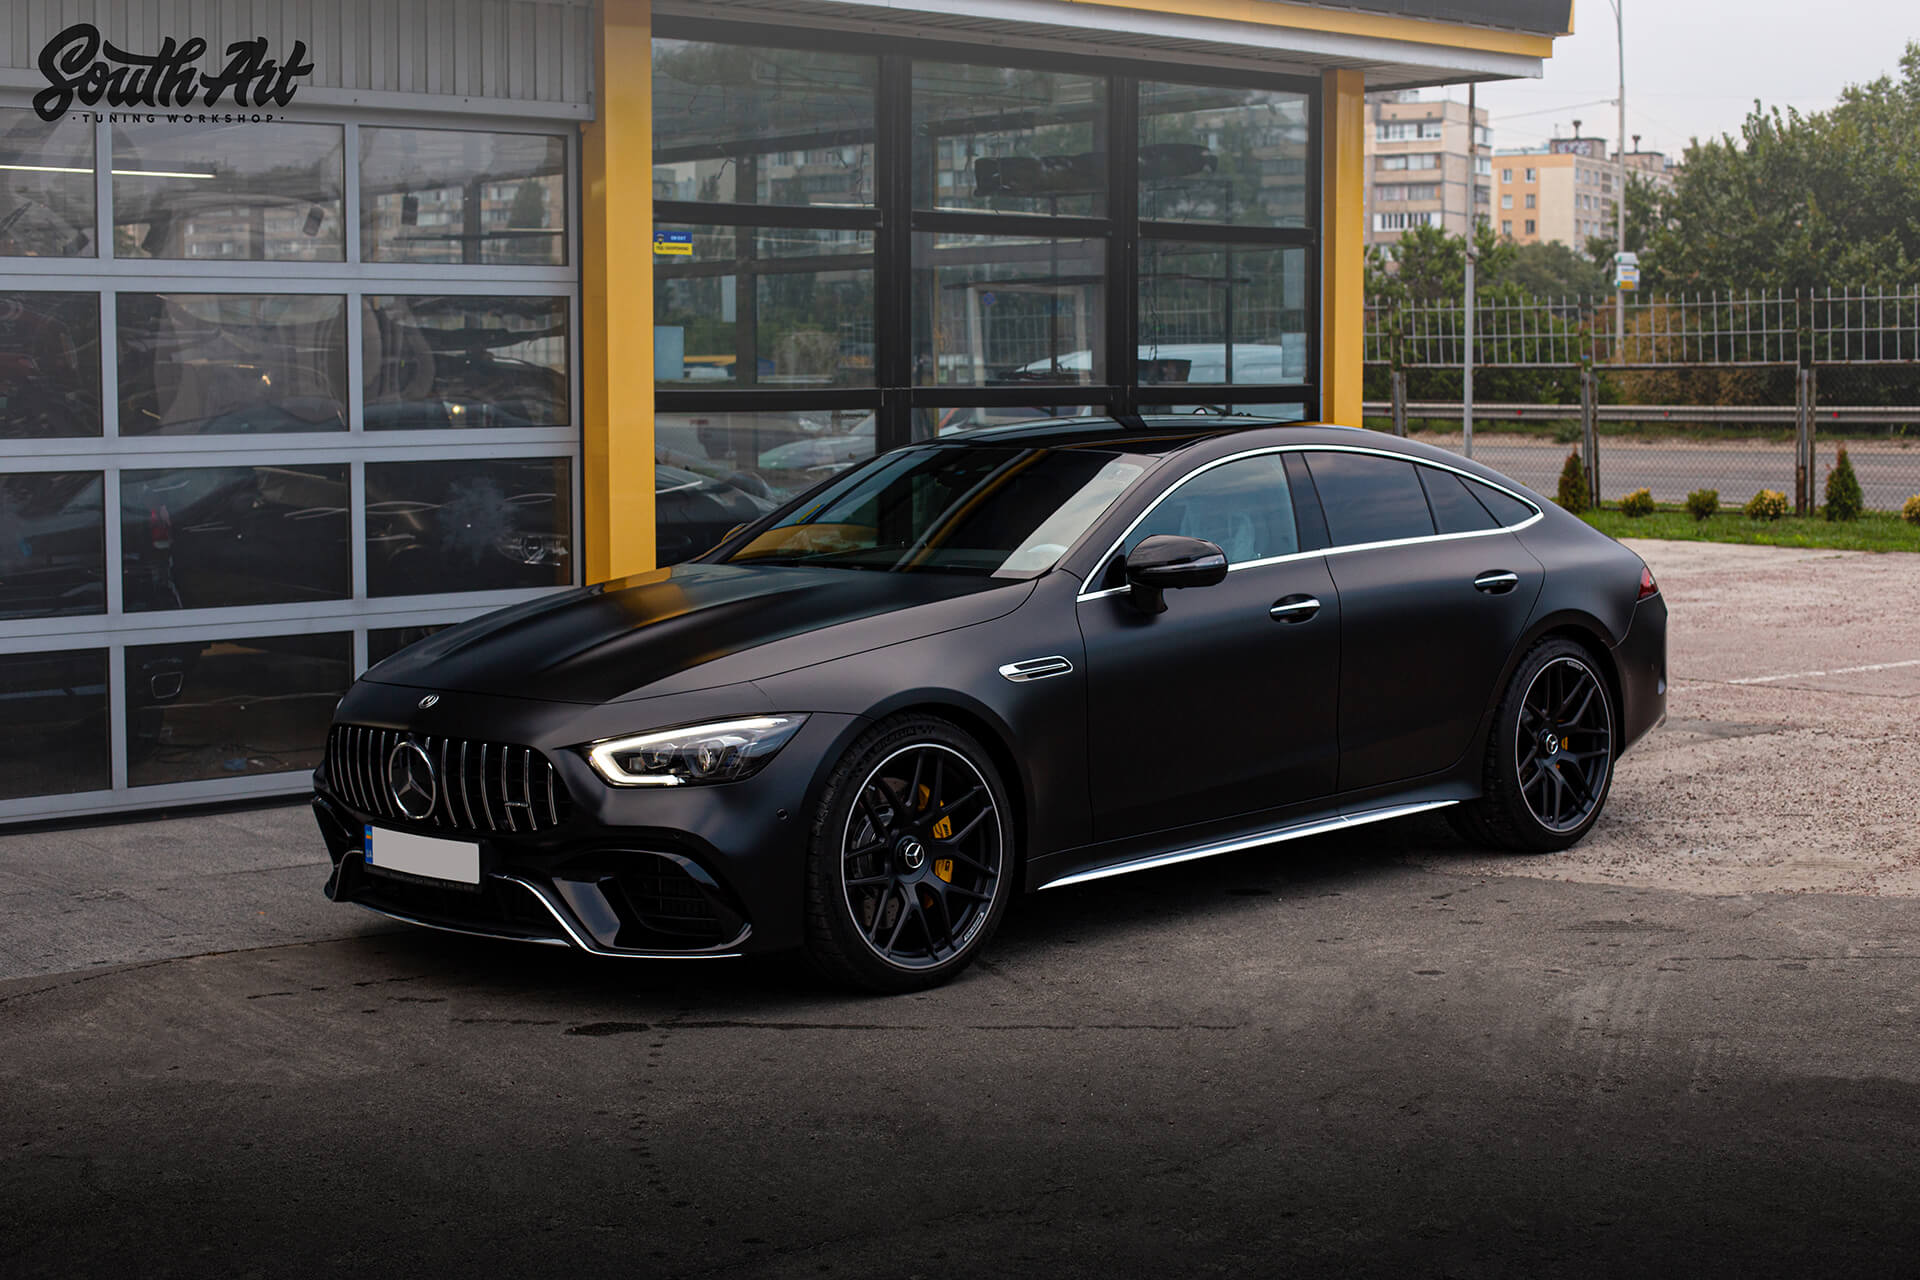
910	867
1550	757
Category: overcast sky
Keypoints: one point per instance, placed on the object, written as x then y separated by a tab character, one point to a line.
1694	67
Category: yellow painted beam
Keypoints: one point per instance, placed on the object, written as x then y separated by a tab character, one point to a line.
616	285
1343	244
1347	22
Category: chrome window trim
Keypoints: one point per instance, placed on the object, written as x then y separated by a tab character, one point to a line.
1106	558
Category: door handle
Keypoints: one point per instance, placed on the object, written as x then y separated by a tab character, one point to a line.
1294	609
1496	582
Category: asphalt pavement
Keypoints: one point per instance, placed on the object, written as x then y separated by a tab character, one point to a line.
1382	1053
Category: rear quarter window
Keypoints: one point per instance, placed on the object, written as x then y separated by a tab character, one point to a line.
1505	508
1455	510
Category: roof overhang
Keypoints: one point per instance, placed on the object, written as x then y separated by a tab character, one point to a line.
1411	46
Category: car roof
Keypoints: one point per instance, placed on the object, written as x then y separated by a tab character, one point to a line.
1145	433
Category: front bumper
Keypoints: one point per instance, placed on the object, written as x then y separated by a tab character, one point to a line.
684	872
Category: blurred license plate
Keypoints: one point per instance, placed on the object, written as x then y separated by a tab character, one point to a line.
422	856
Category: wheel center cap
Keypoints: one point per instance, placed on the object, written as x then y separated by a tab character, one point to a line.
1552	741
912	854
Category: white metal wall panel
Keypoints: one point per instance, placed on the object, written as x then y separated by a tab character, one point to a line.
501	53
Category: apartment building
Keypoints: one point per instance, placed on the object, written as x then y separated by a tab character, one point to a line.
1561	192
1425	166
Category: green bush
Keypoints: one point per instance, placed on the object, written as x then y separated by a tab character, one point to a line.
1911	512
1844	499
1768	504
1574	494
1637	503
1702	503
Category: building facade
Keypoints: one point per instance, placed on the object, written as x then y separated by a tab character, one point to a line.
438	305
1563	192
1427	165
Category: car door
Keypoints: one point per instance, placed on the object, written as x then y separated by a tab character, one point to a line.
1434	594
1218	706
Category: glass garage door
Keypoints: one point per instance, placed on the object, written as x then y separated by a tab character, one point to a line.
275	399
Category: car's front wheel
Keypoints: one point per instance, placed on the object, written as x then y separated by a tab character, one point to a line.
1549	762
910	862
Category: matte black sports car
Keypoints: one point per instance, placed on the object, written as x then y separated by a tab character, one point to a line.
1016	658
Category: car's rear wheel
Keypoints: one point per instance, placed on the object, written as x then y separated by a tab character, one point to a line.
1549	762
910	864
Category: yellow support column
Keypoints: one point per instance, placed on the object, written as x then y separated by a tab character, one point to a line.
616	281
1343	244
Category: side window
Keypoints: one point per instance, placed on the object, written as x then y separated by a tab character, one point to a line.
1243	507
1368	498
1507	509
1454	509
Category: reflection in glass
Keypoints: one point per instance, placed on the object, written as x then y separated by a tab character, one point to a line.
762	126
56	718
223	708
713	471
768	307
928	423
447	195
384	642
1007	311
213	537
1215	154
229	192
49	365
1216	314
46	186
204	363
1009	139
468	525
53	544
460	360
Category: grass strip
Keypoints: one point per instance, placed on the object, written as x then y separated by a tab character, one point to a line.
1873	531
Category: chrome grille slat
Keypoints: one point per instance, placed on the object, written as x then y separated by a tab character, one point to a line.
509	777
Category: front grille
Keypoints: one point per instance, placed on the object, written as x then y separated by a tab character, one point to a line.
480	786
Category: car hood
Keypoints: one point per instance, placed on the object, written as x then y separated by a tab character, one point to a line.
691	627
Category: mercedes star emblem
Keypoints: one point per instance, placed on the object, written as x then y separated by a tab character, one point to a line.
429	700
411	781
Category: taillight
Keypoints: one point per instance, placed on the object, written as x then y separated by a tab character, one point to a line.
1647	585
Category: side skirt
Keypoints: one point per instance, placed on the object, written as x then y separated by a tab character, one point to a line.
1275	835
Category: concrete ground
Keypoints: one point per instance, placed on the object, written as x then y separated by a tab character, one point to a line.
1685	1047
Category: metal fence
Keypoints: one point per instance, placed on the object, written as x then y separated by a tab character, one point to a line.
1732	392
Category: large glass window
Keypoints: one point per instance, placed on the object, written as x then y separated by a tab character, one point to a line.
46	186
464	360
1009	140
49	365
213	537
751	125
203	363
468	525
229	192
459	196
1219	313
1228	155
759	306
53	544
1008	311
56	718
218	709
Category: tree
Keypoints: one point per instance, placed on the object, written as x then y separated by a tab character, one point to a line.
1549	269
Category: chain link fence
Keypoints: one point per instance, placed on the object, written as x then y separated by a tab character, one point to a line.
1731	392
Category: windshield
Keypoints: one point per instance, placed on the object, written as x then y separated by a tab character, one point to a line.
1000	511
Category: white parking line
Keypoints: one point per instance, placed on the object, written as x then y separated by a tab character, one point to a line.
1837	671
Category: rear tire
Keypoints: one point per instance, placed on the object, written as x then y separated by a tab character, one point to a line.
1549	761
910	859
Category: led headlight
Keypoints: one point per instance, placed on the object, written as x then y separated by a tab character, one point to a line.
725	751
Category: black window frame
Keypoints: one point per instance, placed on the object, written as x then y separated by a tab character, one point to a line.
893	221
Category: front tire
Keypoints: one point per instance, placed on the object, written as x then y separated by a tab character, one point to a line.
1549	761
910	861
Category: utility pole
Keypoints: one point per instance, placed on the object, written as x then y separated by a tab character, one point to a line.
1473	228
1620	184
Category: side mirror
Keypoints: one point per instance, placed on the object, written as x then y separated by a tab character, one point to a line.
1168	561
